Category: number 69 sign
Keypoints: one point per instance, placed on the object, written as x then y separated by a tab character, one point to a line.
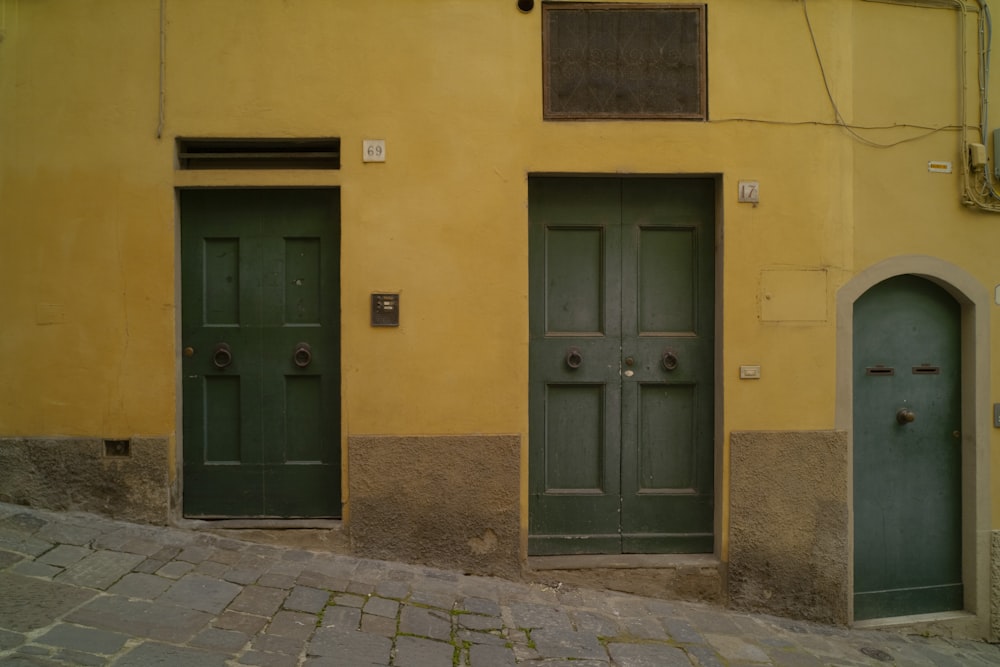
373	150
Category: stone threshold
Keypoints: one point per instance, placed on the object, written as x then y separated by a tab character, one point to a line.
916	618
322	535
259	524
955	624
694	577
622	561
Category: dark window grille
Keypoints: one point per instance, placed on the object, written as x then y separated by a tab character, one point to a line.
258	153
624	61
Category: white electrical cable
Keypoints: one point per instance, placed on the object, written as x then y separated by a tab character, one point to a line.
982	194
838	117
988	198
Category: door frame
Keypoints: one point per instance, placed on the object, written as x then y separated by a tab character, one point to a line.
720	491
974	301
197	180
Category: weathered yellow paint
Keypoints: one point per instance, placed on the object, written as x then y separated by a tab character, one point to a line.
88	284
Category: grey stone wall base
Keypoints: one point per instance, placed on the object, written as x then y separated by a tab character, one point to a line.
995	586
73	474
788	536
446	501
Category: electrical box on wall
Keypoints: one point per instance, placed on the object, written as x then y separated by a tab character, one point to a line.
996	153
977	155
385	310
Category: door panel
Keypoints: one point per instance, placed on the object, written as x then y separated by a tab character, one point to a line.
221	419
907	474
574	458
574	299
666	436
668	278
574	413
222	270
621	272
260	274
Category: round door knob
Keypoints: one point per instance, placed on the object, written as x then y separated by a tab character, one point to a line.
669	360
905	416
573	357
303	355
188	351
629	361
222	356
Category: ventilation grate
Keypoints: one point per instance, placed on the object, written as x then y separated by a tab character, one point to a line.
258	153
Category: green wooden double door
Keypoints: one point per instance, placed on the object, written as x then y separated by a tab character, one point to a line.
261	355
621	365
907	450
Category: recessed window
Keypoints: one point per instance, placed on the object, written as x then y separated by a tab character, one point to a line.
623	61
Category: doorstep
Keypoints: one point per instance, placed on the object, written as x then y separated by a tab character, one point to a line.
693	577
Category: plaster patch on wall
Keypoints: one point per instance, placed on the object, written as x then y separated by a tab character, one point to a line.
481	546
793	295
50	313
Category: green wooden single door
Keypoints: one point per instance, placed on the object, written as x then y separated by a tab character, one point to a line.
261	356
621	365
907	450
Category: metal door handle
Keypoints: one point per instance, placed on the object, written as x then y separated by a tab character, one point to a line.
222	356
905	416
669	360
303	355
573	357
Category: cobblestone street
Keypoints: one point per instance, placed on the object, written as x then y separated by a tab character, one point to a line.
83	590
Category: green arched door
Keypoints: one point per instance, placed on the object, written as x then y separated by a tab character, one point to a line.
907	450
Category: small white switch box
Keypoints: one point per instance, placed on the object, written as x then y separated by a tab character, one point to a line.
373	150
749	372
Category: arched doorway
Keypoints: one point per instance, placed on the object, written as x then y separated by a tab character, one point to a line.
907	450
975	302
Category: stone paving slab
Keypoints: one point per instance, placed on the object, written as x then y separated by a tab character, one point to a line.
29	604
165	654
141	618
140	585
100	569
77	589
86	640
307	599
196	591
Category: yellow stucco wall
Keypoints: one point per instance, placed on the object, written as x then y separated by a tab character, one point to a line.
88	230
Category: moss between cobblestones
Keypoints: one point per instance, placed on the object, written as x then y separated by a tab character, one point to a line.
461	647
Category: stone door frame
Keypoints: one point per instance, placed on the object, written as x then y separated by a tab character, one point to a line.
975	302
